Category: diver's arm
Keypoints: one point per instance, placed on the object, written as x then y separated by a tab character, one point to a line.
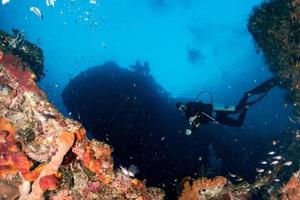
194	122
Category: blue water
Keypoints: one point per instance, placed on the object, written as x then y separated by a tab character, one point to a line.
76	35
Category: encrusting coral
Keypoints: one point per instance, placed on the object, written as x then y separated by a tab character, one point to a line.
202	189
274	26
44	154
291	191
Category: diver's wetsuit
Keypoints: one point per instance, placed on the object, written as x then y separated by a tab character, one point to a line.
201	113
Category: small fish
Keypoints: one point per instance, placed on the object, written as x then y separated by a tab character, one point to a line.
239	179
288	163
260	170
124	171
130	172
275	162
263	162
269	172
70	113
50	3
232	175
292	120
277	180
188	132
271	153
4	2
36	11
163	138
93	1
277	157
133	170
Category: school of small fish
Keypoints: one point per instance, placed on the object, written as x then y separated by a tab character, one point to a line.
276	160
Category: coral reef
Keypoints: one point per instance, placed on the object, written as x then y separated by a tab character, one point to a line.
220	188
44	155
202	189
31	54
274	26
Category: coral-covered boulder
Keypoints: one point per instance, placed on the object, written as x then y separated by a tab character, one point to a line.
42	152
274	26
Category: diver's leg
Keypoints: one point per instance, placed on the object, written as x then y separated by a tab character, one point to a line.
264	87
242	103
229	121
255	101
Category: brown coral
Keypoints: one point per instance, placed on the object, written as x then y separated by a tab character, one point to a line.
96	156
8	191
203	188
291	191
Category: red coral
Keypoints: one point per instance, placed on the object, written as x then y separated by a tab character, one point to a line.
49	182
12	159
20	72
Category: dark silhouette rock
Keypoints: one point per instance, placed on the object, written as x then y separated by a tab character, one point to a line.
135	115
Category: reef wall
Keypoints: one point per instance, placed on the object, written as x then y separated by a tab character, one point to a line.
275	27
47	156
31	55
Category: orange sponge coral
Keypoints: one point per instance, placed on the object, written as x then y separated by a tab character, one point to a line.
96	156
12	159
291	191
203	189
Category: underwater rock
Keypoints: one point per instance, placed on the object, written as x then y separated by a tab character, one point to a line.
275	27
44	155
133	113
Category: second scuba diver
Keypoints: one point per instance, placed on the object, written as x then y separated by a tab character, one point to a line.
198	112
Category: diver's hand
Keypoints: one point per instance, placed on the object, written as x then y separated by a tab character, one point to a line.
188	131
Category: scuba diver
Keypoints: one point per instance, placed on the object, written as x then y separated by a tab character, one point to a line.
198	112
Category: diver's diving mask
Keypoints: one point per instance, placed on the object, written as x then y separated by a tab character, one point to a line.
182	108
